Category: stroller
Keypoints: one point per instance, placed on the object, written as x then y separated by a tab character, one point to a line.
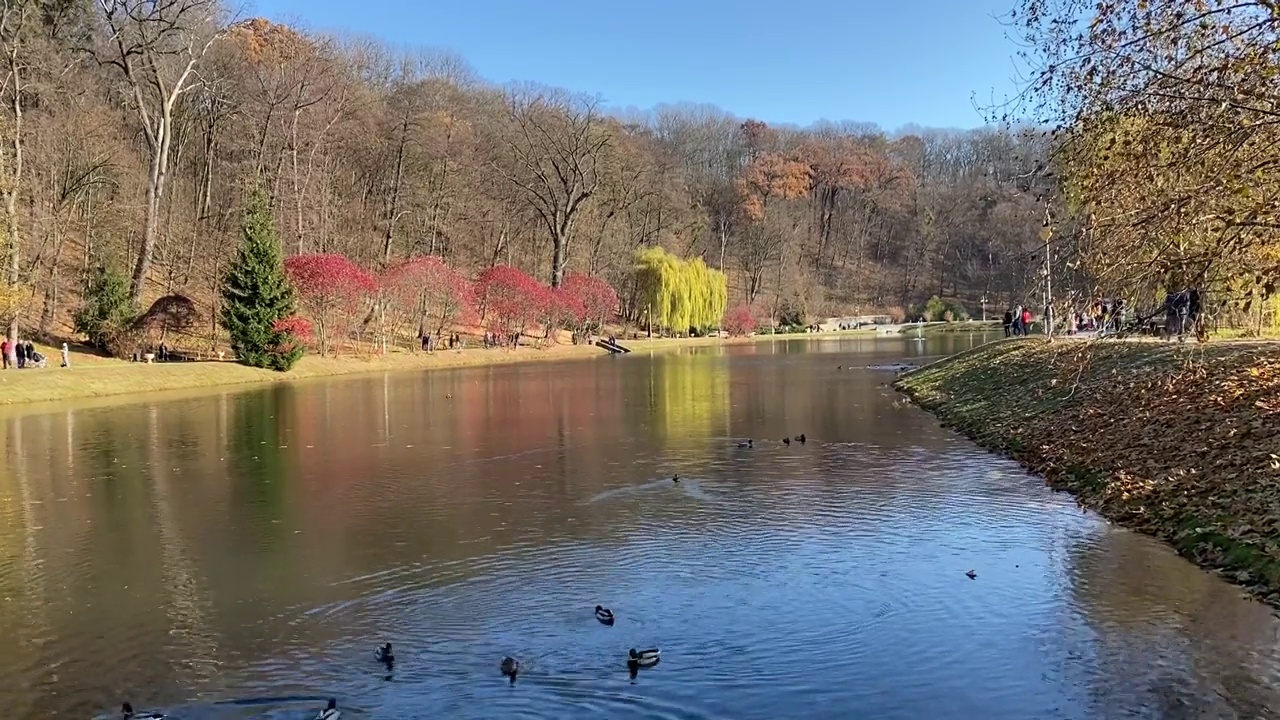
38	360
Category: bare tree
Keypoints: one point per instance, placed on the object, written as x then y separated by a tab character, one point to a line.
15	17
156	46
554	150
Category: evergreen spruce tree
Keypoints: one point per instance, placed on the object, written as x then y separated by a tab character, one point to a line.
106	311
256	293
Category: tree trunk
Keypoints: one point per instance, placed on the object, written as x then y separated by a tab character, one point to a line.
13	179
150	229
558	259
394	210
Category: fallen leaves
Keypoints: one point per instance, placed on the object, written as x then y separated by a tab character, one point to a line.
1182	443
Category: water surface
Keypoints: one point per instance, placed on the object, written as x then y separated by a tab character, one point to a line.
241	554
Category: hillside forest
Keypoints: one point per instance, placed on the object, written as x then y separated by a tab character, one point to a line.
133	132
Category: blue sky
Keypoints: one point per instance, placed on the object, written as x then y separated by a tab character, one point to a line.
890	62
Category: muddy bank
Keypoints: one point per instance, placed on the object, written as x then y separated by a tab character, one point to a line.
1181	442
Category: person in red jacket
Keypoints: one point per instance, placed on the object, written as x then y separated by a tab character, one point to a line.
6	347
1026	321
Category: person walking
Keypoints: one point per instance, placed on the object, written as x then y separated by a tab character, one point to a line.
20	351
1026	321
6	347
66	356
1008	322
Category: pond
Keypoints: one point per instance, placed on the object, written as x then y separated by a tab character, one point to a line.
241	554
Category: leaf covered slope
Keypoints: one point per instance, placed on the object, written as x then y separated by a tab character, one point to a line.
1178	442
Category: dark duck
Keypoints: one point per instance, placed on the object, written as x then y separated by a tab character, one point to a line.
330	712
127	713
510	667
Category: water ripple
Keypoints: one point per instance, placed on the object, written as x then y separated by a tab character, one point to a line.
242	555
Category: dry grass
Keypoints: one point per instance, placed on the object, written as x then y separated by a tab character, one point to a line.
94	376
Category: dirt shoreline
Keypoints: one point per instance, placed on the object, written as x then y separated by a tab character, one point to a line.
1177	441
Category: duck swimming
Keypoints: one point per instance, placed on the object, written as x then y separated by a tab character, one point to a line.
384	655
510	667
786	441
675	478
800	438
644	658
330	712
126	711
604	615
747	444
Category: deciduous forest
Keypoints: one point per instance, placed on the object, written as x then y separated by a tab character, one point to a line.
133	131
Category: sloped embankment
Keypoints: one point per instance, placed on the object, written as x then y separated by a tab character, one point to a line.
1181	442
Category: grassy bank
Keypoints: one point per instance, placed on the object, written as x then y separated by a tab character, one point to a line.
92	376
1180	442
960	326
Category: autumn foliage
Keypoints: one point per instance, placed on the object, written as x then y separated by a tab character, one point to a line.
333	291
595	300
294	331
511	300
424	295
739	321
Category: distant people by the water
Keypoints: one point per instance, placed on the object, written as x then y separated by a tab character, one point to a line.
1008	322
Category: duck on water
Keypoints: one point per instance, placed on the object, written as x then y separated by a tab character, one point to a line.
604	615
510	667
384	654
643	658
330	712
127	713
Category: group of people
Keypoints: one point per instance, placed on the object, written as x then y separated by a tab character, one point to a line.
493	340
17	354
1017	321
431	343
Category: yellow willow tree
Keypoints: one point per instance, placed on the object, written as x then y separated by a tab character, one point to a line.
676	294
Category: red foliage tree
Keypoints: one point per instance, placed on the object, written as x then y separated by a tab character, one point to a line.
739	321
560	308
333	291
426	292
511	300
596	300
294	329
